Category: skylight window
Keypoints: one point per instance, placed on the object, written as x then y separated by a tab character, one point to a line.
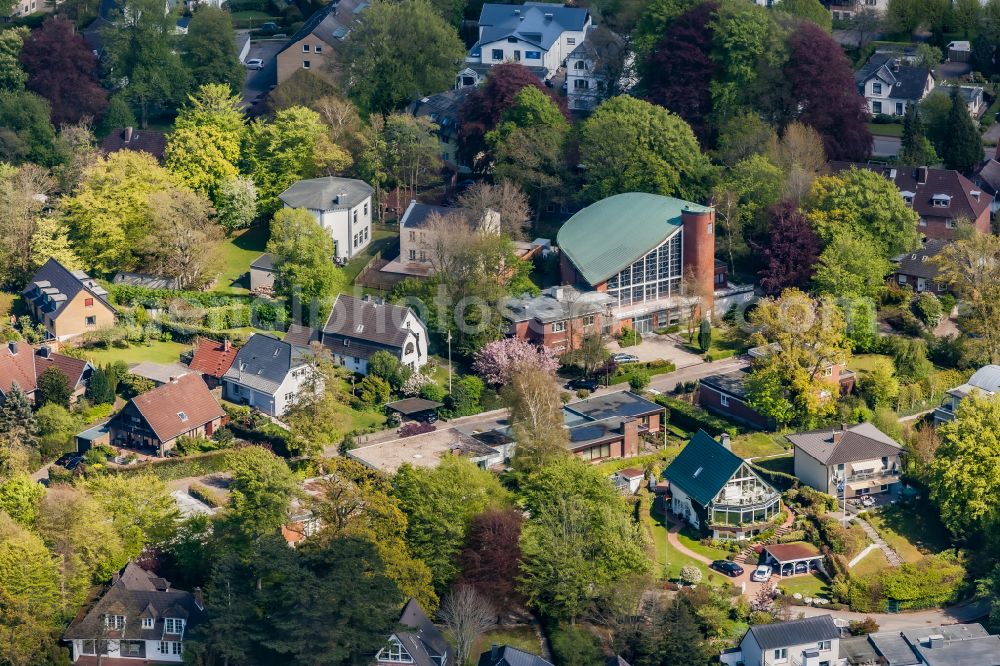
697	472
182	416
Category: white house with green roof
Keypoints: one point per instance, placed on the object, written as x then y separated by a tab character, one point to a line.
715	490
651	254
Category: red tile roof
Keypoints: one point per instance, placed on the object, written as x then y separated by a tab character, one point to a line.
787	552
71	367
212	357
17	364
163	406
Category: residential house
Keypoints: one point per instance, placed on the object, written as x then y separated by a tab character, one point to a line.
811	641
891	86
212	359
559	317
940	197
949	645
988	178
973	97
848	461
444	109
262	274
430	448
157	418
985	381
724	393
505	655
609	426
417	642
359	327
138	140
917	270
637	248
267	374
22	364
535	34
314	46
68	303
594	69
416	239
845	9
140	619
342	206
716	491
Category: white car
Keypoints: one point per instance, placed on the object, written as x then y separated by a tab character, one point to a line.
255	63
761	574
867	501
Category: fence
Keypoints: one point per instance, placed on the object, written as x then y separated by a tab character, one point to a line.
372	277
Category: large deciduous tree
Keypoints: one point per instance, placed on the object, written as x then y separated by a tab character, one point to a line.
790	254
483	110
12	77
261	489
851	266
630	145
491	558
21	212
810	10
208	49
969	267
823	95
140	508
535	417
497	362
183	237
303	257
398	52
679	71
26	134
61	69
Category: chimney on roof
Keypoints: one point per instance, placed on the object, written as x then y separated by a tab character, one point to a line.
12	346
341	198
173	379
922	175
494	652
128	134
199	598
45	351
226	345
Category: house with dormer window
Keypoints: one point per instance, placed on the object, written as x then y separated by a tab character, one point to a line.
140	618
717	492
67	303
891	85
918	270
267	374
418	642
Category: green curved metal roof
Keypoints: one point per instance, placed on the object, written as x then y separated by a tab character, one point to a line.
607	236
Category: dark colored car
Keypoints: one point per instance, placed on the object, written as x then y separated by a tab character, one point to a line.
427	417
731	569
69	460
583	383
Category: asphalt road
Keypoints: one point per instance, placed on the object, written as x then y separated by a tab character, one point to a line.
259	81
889	146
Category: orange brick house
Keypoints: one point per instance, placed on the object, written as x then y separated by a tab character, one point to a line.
68	303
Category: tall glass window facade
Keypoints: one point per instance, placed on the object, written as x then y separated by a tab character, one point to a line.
655	276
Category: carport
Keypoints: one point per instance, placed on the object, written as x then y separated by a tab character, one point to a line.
414	408
793	559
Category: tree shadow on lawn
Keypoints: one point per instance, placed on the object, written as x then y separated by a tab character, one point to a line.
918	521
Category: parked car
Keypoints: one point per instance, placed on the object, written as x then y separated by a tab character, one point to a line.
761	574
427	417
255	63
69	460
867	501
727	567
586	383
625	358
269	28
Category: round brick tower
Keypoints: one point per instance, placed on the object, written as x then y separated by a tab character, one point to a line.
698	223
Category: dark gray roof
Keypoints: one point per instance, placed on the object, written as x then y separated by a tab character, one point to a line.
136	594
424	643
369	322
555	304
893	648
962	645
417	214
330	23
301	336
505	655
263	362
918	262
264	262
594	432
408	406
702	468
53	286
989	177
858	650
539	23
618	404
731	383
144	280
907	81
443	108
833	446
795	632
328	193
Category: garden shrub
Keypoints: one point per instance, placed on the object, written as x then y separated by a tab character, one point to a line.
628	338
691	418
201	492
573	645
928	308
932	581
168	469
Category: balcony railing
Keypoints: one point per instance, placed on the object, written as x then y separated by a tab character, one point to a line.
749	502
878	474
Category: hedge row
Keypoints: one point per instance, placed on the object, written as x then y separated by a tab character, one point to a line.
132	295
168	469
691	418
201	492
779	480
651	368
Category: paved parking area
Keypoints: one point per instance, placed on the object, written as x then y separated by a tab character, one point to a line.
259	81
657	347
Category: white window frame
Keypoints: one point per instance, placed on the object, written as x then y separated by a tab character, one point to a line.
558	327
147	622
170	622
781	654
723	399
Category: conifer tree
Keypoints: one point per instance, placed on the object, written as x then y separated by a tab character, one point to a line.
17	421
964	148
916	149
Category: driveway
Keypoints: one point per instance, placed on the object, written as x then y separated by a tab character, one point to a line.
259	81
659	347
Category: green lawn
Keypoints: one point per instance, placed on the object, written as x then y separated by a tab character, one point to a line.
692	541
785	464
913	529
235	255
885	129
668	560
155	352
759	444
864	362
808	585
870	563
522	637
381	240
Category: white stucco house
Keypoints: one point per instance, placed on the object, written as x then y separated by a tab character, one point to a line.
716	491
890	85
360	327
594	68
811	641
342	206
539	35
267	374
